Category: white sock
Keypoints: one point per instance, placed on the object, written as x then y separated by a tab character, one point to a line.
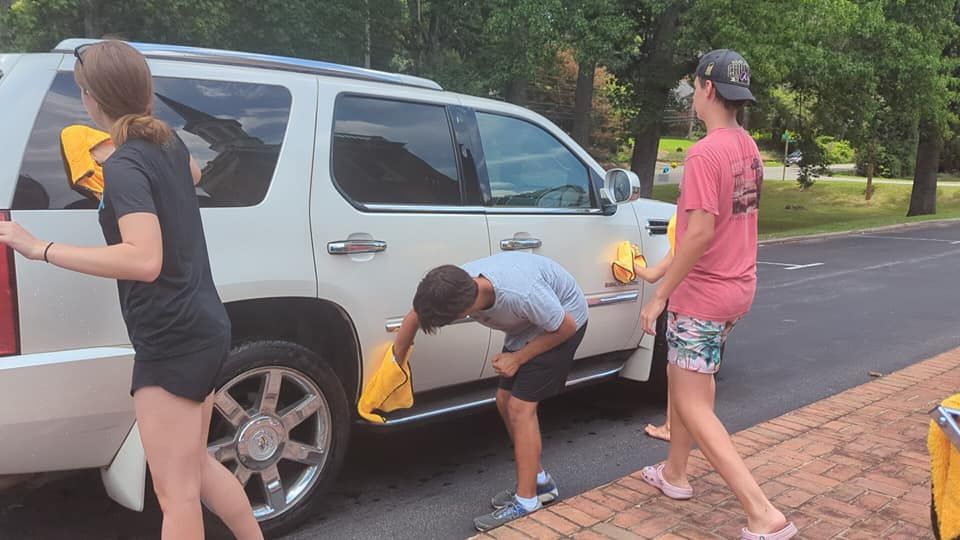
528	504
542	478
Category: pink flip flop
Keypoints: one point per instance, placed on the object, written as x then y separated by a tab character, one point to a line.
783	534
653	475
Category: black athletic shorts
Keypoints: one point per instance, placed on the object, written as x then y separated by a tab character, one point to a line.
545	375
191	375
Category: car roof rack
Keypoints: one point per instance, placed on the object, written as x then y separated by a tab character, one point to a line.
264	61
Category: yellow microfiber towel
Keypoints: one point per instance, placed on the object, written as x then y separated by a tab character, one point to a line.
945	474
390	388
84	174
672	234
628	258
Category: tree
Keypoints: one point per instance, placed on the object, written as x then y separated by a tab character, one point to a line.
594	30
332	30
937	112
521	38
441	40
38	25
647	72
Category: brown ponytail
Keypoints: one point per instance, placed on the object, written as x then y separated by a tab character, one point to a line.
140	126
117	76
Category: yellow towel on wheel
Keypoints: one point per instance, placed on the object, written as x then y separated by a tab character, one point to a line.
390	388
945	474
628	258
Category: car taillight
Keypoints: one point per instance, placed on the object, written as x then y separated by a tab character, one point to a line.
9	327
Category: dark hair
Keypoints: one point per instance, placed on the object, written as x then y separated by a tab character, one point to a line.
733	106
117	77
444	294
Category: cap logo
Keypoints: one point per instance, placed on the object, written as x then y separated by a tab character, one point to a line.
738	72
709	70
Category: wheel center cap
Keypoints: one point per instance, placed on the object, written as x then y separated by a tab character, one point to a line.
260	441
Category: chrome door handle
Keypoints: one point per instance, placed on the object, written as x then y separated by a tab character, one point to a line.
350	247
512	244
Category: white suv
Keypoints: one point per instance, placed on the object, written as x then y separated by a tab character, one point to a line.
328	191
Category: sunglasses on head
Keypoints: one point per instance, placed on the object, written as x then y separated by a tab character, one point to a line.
78	50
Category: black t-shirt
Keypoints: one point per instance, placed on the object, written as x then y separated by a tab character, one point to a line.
181	311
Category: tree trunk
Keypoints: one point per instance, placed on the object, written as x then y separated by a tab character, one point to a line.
583	104
646	142
416	33
923	197
655	91
92	25
367	46
868	193
517	91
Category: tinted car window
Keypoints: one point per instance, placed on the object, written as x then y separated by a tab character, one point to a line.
394	152
529	167
233	130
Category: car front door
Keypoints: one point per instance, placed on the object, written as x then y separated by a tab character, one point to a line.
543	198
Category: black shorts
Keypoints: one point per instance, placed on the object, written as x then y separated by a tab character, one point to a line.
191	375
545	375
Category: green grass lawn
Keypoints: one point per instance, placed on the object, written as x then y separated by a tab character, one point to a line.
833	206
668	144
942	177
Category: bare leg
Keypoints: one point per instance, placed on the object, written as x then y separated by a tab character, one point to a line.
503	400
660	432
222	492
170	430
694	412
526	445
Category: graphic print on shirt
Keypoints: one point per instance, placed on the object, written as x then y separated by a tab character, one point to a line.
746	188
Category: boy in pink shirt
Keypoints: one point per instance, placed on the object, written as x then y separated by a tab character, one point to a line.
710	284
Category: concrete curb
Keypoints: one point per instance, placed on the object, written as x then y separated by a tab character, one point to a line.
822	236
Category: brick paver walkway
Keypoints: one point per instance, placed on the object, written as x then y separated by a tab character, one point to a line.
851	466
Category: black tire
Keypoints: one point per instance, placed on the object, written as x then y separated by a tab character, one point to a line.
249	366
656	384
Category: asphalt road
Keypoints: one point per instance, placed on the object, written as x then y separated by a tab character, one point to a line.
828	312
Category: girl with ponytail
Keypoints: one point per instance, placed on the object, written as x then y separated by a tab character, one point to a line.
156	251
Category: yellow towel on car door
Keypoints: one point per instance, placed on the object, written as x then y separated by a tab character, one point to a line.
628	258
945	474
390	388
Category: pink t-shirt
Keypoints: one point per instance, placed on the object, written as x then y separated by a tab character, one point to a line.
723	174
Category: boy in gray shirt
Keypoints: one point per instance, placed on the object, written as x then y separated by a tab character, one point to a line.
543	312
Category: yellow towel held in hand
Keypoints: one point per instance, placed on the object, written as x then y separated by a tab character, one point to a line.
672	234
390	388
84	173
628	258
945	474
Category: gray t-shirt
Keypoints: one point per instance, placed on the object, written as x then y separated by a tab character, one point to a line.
533	293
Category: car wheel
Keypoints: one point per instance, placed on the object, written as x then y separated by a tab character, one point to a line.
281	424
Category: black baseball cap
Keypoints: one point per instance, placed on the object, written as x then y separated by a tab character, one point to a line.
729	72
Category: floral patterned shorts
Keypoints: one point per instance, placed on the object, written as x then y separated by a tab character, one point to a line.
695	344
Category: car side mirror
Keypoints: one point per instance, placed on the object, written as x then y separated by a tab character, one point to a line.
623	186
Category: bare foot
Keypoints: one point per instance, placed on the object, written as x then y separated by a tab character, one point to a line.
658	432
